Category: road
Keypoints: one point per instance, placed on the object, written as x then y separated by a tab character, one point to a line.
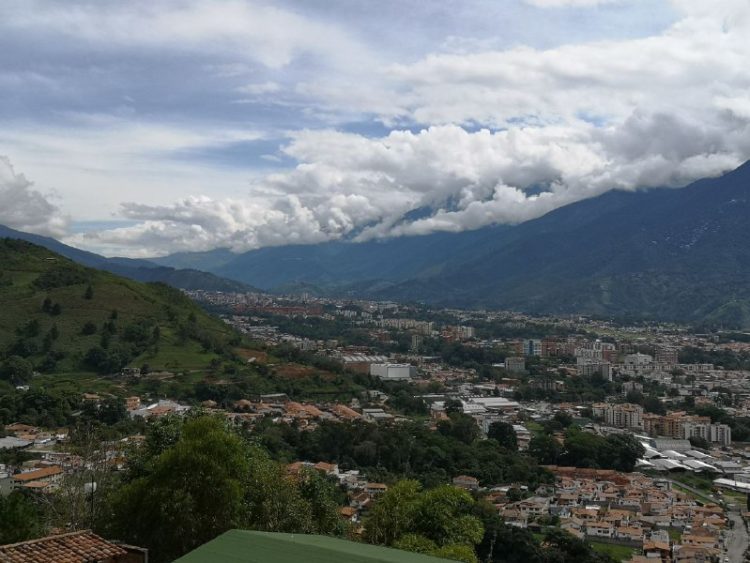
737	537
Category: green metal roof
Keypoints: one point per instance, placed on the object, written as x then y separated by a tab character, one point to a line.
244	546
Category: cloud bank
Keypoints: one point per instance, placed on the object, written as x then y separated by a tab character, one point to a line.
378	142
26	209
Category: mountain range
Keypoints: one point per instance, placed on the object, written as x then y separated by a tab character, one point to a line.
677	254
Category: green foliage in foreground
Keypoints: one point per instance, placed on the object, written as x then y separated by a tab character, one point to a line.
434	522
192	481
19	518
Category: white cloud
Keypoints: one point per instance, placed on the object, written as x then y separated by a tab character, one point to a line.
347	184
24	208
499	126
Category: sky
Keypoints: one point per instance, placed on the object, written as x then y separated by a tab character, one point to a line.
144	128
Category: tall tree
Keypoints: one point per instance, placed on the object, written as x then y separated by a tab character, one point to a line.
190	493
504	434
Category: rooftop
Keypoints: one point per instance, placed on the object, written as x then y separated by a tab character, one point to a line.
75	547
243	546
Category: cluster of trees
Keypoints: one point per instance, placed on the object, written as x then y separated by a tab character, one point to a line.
436	522
192	481
62	275
410	449
584	449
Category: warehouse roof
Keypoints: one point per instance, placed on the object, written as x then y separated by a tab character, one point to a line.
244	546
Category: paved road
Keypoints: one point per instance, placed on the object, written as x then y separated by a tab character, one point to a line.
737	537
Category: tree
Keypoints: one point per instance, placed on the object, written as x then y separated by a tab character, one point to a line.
462	427
654	405
19	518
190	493
393	514
16	370
453	406
699	442
89	293
545	448
504	434
55	310
437	522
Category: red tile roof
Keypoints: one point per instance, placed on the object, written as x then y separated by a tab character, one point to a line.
38	474
75	547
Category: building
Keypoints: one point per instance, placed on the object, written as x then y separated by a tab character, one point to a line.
247	545
466	482
44	478
666	355
74	547
515	364
619	415
393	372
591	368
713	433
638	359
416	342
681	425
532	347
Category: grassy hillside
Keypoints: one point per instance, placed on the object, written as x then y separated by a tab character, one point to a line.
61	317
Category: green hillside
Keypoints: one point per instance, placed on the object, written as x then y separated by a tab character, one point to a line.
61	317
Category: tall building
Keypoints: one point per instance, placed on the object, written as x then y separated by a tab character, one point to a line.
532	347
416	342
684	426
624	415
515	364
666	355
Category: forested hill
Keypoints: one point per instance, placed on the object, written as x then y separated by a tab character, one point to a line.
58	316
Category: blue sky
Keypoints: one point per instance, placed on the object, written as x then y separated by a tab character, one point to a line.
142	128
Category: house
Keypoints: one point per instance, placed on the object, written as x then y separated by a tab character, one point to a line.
327	468
466	482
360	501
657	549
349	513
600	530
74	547
375	489
40	479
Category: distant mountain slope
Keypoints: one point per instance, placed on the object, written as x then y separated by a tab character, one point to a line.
139	270
63	317
680	254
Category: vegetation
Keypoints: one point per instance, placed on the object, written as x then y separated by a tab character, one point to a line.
61	317
584	449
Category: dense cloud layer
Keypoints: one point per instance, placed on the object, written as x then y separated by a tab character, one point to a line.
473	136
24	208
